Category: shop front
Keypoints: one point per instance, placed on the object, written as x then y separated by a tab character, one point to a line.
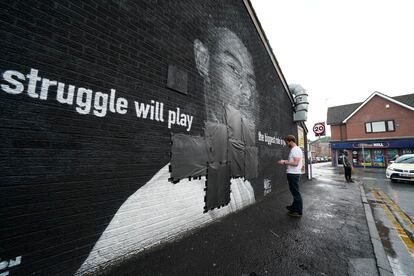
371	153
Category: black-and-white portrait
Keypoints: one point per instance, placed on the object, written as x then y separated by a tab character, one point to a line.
226	67
132	128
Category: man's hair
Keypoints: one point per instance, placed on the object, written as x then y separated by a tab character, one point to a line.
290	138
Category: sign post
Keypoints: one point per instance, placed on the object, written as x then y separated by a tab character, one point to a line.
319	129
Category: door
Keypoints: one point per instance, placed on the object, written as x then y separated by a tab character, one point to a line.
378	158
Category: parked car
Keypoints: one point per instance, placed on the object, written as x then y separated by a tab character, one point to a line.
401	169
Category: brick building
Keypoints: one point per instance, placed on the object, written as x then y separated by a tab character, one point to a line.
374	131
128	124
320	148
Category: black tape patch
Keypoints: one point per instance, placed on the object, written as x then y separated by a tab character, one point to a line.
216	136
232	118
217	186
236	157
251	163
189	156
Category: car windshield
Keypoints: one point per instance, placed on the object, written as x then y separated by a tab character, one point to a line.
405	159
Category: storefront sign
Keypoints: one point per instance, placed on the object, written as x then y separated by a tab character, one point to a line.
397	143
371	145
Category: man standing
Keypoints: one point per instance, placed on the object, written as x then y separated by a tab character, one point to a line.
293	171
347	167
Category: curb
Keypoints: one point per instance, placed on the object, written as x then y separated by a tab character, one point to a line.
383	264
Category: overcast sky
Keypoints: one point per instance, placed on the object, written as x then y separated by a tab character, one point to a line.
341	51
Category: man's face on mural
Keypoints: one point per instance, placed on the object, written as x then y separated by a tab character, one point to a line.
228	66
232	69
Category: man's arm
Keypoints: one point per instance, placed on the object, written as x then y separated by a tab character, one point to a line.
294	163
350	162
286	162
346	160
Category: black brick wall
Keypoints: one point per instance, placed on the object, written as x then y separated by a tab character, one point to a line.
63	174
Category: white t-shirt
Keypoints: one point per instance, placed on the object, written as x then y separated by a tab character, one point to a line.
295	152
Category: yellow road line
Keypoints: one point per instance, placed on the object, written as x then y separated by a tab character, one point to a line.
398	228
397	209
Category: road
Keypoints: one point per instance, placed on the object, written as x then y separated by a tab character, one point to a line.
392	205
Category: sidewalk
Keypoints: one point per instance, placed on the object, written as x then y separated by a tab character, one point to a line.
332	238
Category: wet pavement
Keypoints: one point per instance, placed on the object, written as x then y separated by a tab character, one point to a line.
393	209
402	193
332	238
392	206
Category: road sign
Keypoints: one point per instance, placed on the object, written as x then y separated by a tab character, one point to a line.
319	129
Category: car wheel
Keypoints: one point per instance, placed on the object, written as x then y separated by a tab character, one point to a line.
393	180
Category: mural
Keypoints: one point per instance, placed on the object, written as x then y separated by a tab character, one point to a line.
227	69
128	126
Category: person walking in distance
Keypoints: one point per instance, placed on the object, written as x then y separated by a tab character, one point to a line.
347	167
293	172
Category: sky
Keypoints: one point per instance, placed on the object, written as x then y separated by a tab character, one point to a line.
341	51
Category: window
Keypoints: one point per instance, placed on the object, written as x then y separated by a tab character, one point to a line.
390	125
368	127
379	126
405	159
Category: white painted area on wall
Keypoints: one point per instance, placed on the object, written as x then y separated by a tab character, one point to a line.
267	186
159	211
4	264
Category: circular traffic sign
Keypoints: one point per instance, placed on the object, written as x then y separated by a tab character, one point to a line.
319	128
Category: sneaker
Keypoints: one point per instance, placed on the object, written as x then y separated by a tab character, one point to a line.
289	207
352	181
294	214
